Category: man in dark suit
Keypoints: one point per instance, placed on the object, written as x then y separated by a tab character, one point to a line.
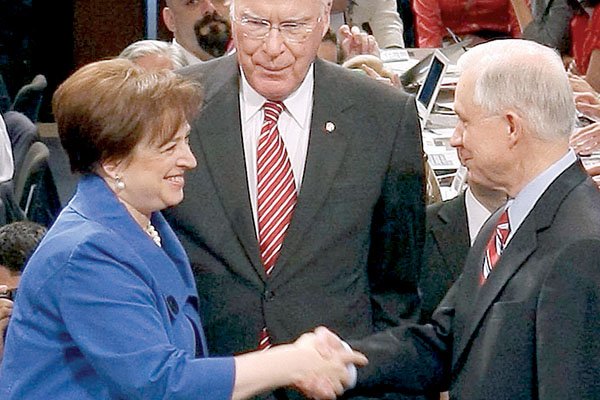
451	228
445	250
522	321
351	251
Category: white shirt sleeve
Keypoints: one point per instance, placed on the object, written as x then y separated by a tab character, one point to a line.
7	166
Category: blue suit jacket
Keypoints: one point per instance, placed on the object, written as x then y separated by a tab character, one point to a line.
103	312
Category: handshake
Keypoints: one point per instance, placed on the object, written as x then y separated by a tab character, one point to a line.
320	364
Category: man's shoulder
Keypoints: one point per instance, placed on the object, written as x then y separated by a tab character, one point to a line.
350	82
210	70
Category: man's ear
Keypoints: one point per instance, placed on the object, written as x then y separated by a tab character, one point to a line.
326	18
168	19
515	127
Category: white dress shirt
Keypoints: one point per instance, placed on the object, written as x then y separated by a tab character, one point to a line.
477	214
293	125
7	166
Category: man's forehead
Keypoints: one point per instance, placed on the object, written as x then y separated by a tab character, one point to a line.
279	5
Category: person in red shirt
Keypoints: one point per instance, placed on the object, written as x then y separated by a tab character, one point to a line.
484	18
585	41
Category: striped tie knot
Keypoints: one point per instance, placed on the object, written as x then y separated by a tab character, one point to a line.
496	245
273	110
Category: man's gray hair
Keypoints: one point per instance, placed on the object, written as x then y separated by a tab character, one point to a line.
143	48
526	77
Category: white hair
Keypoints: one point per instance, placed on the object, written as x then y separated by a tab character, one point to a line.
143	48
524	76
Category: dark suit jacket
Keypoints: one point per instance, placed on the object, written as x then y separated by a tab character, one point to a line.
352	254
531	332
446	246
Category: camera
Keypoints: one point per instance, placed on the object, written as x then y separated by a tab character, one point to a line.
9	294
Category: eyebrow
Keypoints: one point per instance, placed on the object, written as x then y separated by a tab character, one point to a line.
250	14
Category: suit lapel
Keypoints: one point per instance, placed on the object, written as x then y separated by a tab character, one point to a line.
223	152
325	154
521	246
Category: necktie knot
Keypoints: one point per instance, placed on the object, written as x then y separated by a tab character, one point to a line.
273	110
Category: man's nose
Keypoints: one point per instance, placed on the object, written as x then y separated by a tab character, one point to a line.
274	42
456	138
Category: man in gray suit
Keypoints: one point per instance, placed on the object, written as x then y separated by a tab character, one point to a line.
348	245
523	319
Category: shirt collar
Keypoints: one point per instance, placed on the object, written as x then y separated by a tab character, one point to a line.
297	104
523	203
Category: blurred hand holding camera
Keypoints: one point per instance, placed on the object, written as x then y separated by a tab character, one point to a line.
6	306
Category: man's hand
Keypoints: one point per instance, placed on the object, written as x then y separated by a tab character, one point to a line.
6	307
355	42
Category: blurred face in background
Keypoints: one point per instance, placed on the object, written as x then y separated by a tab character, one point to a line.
275	64
202	27
9	278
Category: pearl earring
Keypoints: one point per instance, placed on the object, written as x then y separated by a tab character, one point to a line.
119	183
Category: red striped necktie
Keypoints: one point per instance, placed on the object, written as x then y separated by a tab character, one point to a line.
495	246
276	193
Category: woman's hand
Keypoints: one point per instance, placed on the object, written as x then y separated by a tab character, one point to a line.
316	364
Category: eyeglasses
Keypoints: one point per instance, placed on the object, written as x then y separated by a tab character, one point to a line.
291	32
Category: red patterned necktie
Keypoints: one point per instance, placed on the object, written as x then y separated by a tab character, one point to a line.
496	245
276	193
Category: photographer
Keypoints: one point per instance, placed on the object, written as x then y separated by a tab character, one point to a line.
17	242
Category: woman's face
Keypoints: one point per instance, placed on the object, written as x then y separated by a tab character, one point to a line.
153	175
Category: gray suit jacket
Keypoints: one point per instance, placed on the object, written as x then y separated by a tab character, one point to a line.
352	254
550	25
530	332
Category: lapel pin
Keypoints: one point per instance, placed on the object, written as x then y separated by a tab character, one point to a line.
329	127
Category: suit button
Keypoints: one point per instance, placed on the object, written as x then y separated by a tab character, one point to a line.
172	304
269	295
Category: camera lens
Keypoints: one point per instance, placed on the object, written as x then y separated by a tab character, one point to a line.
9	294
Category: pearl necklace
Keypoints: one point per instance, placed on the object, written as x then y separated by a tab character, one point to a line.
153	233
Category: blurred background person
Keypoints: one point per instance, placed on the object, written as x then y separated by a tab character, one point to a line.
585	41
200	28
107	307
379	18
18	241
328	49
154	55
452	227
482	19
545	21
7	167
